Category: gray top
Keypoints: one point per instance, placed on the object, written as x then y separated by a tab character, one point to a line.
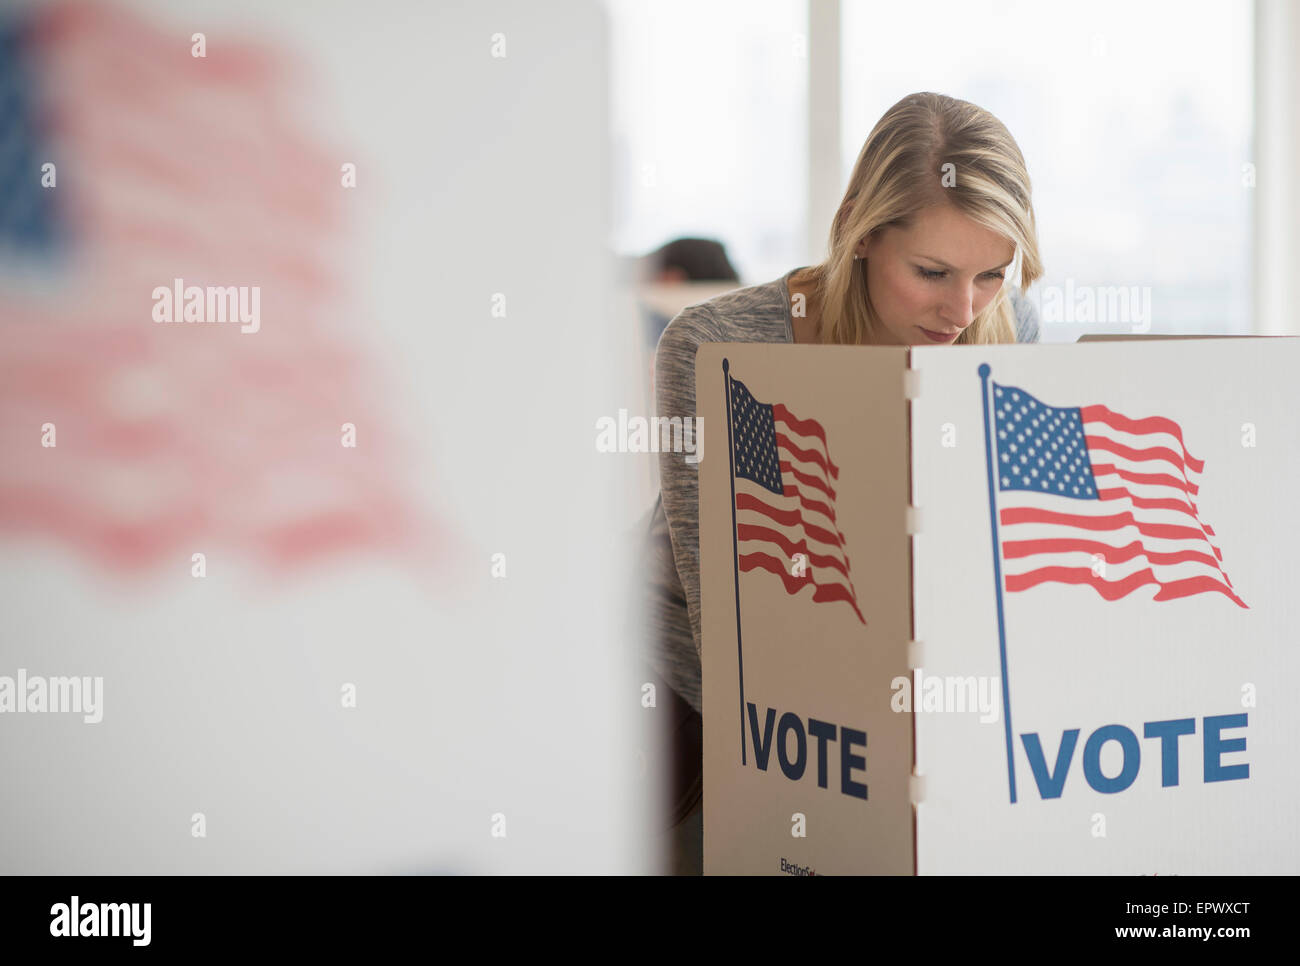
758	313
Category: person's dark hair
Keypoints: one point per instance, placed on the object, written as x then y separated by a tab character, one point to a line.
699	259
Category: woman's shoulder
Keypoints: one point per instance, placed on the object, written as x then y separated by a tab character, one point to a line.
753	313
1026	312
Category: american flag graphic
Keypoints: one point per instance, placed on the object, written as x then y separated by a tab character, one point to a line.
1082	484
173	438
785	499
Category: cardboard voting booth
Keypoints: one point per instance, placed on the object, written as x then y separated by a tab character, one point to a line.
1001	609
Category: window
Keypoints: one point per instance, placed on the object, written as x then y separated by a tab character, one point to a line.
709	121
1135	120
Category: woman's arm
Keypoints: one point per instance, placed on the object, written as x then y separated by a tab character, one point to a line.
679	479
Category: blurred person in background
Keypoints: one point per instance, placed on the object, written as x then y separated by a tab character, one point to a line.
680	272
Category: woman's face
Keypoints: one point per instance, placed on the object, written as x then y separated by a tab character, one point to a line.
928	281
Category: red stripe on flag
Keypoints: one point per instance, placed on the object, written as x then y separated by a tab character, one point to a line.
749	531
806	427
1136	455
1116	521
824	593
1114	590
1146	502
807	478
806	455
1154	479
788	518
1015	549
1141	427
814	505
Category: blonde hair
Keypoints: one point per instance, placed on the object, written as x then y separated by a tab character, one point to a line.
899	172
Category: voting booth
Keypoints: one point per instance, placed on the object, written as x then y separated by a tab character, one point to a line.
1001	609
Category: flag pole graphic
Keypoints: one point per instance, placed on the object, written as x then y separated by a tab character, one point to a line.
735	547
984	371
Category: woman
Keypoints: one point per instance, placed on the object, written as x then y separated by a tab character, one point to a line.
937	210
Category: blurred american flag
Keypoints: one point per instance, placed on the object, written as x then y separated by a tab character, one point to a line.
174	438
